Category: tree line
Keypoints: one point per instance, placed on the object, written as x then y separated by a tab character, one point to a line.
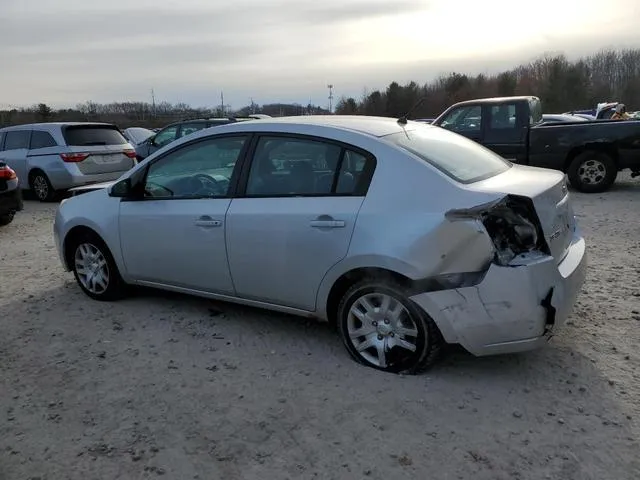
562	85
142	114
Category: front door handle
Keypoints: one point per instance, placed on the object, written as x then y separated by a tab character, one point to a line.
327	223
207	221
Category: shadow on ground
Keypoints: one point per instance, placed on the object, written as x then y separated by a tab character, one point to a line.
167	384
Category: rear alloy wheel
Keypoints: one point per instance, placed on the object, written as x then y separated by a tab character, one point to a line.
41	187
592	172
383	329
95	270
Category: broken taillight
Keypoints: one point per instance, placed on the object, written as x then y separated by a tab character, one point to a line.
512	224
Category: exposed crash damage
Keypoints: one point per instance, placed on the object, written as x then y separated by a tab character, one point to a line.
528	286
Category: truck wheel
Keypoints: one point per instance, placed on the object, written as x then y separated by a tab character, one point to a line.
592	172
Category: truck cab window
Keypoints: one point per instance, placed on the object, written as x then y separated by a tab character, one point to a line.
503	117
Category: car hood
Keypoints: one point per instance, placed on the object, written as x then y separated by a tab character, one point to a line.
90	187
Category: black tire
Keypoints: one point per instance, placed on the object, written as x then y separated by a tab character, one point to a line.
603	172
428	340
41	186
115	286
6	219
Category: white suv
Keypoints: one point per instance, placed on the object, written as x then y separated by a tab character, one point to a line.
53	157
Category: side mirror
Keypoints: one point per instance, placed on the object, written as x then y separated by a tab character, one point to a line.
121	189
152	141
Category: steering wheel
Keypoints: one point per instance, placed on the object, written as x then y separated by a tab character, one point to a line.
209	186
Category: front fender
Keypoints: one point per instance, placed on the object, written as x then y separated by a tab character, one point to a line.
77	212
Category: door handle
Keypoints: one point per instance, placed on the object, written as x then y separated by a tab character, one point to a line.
327	223
207	221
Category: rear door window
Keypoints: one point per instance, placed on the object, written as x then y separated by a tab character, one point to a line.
298	166
41	140
89	135
503	116
535	111
17	139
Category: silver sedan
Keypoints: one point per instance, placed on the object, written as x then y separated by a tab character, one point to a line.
403	235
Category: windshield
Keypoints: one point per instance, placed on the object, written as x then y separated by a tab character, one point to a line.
454	155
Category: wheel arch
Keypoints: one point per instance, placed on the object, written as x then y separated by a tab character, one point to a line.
342	276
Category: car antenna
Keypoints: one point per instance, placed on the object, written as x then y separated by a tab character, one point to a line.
404	118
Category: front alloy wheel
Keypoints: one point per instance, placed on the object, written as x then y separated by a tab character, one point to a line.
95	270
92	268
383	329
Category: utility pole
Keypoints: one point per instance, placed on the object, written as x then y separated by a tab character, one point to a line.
330	87
222	104
153	102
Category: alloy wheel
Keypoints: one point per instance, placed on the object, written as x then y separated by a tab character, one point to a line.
92	268
381	329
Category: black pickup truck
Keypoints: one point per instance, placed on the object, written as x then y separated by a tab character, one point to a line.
590	153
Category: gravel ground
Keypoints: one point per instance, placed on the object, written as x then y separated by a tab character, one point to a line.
167	385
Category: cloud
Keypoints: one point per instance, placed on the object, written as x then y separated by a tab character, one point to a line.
69	51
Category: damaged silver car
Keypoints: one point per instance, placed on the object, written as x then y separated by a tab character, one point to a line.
404	235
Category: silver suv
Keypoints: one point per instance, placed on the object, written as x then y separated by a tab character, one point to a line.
53	157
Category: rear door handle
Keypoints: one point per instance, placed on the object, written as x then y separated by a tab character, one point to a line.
327	223
207	221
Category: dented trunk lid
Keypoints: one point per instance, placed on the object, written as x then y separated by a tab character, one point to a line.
548	191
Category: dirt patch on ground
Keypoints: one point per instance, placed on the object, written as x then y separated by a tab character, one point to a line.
167	385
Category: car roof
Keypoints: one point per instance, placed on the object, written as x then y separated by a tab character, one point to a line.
491	100
373	126
49	125
222	121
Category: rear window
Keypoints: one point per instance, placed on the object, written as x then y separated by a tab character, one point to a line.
454	155
86	135
535	111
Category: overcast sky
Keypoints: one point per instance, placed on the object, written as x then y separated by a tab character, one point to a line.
64	52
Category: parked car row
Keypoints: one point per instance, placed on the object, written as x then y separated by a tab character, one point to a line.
49	158
147	141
